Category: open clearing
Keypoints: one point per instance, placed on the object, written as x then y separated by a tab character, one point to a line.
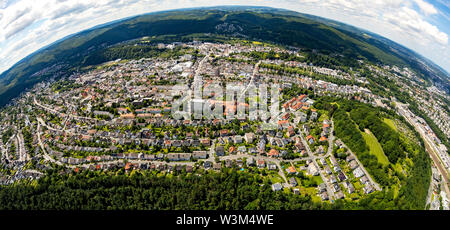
375	147
390	123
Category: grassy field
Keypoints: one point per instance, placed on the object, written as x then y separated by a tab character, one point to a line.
318	179
311	192
375	147
390	123
274	178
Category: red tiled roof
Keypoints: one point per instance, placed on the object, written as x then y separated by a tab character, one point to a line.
273	152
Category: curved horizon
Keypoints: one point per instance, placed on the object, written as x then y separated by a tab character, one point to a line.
38	29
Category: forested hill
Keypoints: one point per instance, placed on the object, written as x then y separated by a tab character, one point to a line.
258	23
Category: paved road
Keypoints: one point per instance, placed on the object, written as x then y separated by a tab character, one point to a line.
62	114
45	155
33	171
23	156
255	71
376	185
311	156
314	159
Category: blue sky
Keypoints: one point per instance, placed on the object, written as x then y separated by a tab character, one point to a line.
27	25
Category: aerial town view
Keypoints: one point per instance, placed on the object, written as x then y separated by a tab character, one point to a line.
224	108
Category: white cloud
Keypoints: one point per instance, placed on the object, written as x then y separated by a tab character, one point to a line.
409	21
426	7
27	25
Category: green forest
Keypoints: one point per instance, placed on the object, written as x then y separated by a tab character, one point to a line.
350	119
228	190
144	190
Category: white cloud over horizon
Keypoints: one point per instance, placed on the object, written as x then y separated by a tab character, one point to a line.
28	25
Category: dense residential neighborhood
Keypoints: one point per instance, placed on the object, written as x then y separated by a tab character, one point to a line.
119	116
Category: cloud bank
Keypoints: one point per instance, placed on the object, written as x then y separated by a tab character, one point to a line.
27	25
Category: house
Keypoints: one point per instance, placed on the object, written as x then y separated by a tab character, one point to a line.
73	161
306	129
261	163
320	150
323	161
324	196
349	158
220	150
328	170
228	163
205	142
302	117
253	150
332	179
333	161
189	168
353	164
199	154
262	145
293	181
326	128
323	139
161	156
364	179
249	137
342	176
128	166
358	172
312	170
127	116
322	187
238	139
283	123
277	187
291	170
242	149
285	116
232	149
368	188
132	156
335	188
195	143
290	131
273	153
296	191
179	156
272	166
339	195
337	168
250	161
217	166
313	116
223	132
239	163
207	164
310	139
349	187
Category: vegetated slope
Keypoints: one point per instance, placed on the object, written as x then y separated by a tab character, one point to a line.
68	55
350	119
375	147
423	67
